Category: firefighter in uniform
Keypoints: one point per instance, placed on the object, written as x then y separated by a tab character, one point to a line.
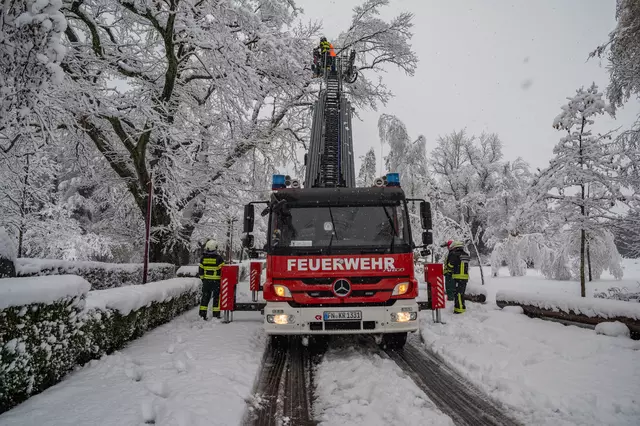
456	266
324	51
209	271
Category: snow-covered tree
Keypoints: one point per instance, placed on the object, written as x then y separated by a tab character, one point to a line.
182	92
367	173
622	51
31	53
581	180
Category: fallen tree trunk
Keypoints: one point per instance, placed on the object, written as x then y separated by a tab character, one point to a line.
571	316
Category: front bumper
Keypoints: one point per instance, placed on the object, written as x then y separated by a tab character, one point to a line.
309	319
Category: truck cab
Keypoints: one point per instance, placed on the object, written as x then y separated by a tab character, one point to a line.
340	261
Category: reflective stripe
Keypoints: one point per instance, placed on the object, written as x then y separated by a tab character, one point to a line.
215	308
203	308
208	261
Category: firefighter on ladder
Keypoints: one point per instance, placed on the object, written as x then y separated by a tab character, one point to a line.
210	270
324	52
456	268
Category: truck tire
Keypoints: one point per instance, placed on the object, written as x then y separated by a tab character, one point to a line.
393	340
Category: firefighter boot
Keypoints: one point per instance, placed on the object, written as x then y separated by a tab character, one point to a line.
203	312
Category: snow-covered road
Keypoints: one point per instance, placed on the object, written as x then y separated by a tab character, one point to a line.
356	387
184	373
548	373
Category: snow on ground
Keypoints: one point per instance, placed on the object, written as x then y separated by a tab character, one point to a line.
186	373
536	282
548	373
354	387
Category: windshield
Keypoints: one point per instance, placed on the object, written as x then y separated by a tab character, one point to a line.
336	229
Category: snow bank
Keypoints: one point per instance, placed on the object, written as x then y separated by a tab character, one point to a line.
603	308
131	298
613	329
100	275
27	291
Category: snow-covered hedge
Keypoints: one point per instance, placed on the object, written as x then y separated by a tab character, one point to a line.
48	325
577	309
188	271
100	275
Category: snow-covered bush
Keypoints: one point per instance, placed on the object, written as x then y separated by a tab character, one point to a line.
40	333
100	275
116	316
48	325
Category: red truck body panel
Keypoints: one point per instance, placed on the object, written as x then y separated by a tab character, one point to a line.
310	279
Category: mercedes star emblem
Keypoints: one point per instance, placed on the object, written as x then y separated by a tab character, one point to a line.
341	288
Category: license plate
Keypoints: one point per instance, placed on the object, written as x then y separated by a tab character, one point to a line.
343	316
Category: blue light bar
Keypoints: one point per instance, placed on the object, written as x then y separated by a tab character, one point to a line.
278	182
393	179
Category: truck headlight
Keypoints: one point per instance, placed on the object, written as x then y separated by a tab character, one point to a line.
281	291
401	289
404	316
281	319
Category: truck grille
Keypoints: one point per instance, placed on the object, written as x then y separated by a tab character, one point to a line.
353	280
354	293
343	325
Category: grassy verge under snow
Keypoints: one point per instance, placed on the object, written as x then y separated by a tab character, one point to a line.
49	325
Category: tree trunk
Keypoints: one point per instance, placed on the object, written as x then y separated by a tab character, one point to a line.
589	260
583	291
479	263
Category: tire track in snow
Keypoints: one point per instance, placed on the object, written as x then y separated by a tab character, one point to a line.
283	390
453	394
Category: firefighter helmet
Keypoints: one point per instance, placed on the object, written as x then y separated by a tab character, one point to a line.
211	245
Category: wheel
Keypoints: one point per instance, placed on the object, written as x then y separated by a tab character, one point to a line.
279	342
393	340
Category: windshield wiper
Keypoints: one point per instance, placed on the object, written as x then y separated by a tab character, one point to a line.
333	229
393	236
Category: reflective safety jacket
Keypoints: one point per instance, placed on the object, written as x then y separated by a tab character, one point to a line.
210	266
325	47
456	263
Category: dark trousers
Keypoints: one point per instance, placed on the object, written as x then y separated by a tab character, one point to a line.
449	286
458	298
210	289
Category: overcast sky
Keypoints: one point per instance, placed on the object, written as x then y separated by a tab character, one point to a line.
492	65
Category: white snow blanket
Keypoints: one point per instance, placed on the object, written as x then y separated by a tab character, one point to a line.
355	387
590	307
184	373
476	290
187	271
132	298
26	291
547	373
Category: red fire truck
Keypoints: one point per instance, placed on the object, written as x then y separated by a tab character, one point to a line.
339	258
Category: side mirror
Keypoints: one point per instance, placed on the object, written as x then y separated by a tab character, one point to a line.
248	241
427	238
425	215
249	217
